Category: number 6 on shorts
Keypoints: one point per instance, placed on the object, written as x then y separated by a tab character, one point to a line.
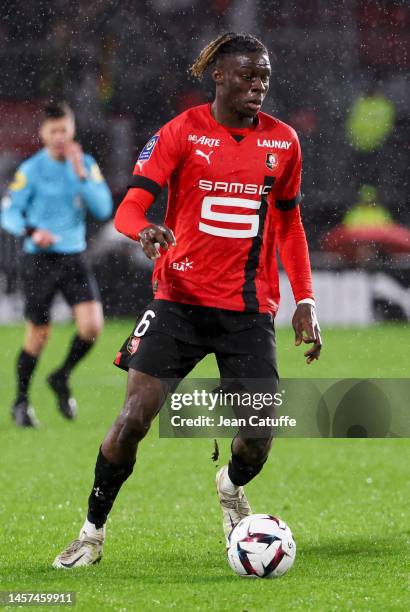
144	323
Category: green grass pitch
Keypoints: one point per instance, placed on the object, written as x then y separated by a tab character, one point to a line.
347	501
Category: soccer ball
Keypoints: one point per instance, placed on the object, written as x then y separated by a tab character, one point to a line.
261	546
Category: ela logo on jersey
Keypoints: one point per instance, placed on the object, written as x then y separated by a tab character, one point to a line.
148	149
271	161
182	266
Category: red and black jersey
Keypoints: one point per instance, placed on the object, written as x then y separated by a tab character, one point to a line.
225	195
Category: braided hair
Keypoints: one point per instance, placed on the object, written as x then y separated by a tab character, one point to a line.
231	42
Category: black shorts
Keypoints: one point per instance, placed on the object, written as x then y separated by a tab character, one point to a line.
170	338
45	274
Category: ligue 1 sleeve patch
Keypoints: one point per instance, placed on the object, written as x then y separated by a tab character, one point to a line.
19	181
95	174
148	149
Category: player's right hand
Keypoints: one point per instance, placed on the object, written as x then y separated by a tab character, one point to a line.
154	237
43	238
74	153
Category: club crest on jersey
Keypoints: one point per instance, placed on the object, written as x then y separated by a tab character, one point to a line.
148	149
133	344
271	161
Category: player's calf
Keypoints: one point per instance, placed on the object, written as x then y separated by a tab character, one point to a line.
145	395
21	412
115	463
247	460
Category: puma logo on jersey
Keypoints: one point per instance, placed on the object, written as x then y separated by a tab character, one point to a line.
274	144
204	141
202	154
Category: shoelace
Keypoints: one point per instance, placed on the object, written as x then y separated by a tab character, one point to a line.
74	546
243	507
229	502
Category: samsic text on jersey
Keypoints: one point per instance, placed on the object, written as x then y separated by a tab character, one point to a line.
223	203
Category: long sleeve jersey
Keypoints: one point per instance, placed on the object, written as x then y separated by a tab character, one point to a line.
232	203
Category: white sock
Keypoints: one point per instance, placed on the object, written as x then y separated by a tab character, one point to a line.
228	485
90	529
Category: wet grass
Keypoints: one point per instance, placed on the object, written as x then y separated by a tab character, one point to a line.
345	500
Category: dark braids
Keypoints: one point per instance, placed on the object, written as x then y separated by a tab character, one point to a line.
224	44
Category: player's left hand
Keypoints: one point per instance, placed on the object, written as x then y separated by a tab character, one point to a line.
74	153
307	330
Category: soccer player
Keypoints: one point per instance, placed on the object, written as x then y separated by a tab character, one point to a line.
47	204
234	176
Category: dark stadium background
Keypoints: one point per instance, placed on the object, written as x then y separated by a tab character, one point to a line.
123	67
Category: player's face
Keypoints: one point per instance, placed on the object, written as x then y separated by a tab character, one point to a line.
56	133
243	82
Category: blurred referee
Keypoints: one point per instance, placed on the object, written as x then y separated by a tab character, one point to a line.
47	203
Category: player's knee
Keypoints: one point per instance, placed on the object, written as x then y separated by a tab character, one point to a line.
43	335
135	428
89	320
136	421
37	337
90	331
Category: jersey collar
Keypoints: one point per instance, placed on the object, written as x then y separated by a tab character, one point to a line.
226	129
